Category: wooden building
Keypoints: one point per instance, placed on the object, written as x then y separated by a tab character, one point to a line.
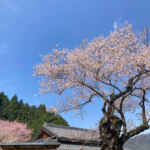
57	137
30	146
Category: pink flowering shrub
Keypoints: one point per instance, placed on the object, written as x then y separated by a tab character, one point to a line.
14	132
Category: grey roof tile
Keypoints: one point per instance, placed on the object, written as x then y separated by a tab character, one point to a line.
72	132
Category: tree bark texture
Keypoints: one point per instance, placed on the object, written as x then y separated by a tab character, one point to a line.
110	128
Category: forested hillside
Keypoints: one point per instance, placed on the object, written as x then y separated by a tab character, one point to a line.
14	109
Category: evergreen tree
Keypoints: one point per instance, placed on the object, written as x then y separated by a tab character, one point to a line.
3	106
13	108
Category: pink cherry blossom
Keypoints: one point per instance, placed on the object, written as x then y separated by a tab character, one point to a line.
14	132
116	65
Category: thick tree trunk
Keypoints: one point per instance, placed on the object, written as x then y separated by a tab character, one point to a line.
112	144
110	133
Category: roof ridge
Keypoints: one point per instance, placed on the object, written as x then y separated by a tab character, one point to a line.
66	127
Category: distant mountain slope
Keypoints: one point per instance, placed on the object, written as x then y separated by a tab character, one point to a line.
141	142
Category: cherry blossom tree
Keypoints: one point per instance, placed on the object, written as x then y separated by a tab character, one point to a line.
114	70
14	132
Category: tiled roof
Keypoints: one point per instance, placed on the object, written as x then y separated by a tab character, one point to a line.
38	143
47	140
77	147
71	133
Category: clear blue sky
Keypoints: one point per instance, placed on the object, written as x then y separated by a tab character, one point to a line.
29	28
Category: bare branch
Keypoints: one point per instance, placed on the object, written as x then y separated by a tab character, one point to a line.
109	84
94	90
79	106
142	105
134	132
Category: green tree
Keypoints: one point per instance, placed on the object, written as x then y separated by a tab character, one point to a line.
4	101
13	108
